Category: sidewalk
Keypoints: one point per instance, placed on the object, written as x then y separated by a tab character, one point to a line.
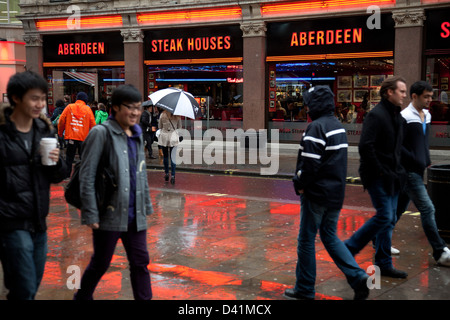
285	153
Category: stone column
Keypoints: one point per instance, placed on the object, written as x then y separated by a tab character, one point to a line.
254	70
408	44
34	53
134	58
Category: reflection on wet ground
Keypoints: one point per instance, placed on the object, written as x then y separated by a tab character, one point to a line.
239	243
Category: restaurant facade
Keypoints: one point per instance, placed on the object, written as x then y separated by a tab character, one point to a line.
247	63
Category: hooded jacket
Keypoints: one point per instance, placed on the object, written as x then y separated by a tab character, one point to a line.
24	181
322	159
415	149
76	121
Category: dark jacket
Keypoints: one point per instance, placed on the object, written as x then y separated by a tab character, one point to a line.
380	147
146	122
322	159
24	181
415	149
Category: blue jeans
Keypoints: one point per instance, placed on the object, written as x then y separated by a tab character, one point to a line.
168	152
23	255
379	227
316	217
415	190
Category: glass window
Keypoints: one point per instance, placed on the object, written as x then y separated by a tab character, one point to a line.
9	9
355	84
438	74
97	83
217	88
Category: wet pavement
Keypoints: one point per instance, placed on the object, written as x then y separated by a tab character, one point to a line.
232	236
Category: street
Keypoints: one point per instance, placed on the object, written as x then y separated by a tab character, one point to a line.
222	237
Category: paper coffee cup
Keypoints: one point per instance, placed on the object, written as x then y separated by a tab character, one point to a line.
47	145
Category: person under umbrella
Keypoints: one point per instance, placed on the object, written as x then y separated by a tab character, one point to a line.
175	103
168	140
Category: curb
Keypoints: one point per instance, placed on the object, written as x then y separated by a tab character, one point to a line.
237	172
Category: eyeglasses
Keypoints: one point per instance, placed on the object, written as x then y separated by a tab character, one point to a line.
131	108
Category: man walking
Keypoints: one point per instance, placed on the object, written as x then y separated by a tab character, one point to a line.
320	182
146	125
415	158
125	217
382	173
75	122
25	184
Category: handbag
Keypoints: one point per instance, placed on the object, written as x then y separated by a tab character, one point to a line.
105	182
180	138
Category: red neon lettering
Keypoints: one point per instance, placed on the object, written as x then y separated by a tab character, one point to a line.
357	35
320	38
347	36
338	36
154	47
445	28
77	48
302	38
330	37
294	39
191	44
60	49
311	38
213	43
220	43
227	41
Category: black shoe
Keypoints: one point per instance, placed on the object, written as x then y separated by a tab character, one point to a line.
393	273
166	177
294	295
362	290
172	181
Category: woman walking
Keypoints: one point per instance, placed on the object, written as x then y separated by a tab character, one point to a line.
168	140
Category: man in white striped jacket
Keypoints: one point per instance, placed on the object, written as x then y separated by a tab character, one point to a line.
320	182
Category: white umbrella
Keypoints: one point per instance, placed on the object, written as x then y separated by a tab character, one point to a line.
176	101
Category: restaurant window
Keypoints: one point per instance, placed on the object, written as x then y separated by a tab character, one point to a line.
217	88
438	73
97	83
355	84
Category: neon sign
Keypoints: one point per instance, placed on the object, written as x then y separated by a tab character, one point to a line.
83	48
316	38
445	26
191	44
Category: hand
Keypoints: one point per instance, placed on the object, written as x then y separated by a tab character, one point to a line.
54	155
93	226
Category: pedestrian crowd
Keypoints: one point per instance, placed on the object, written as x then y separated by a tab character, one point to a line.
393	151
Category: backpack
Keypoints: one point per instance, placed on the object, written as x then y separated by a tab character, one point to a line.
105	182
56	121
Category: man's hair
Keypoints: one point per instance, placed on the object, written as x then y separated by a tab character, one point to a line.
419	87
20	83
125	93
390	83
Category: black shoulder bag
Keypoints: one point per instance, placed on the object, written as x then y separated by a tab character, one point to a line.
105	182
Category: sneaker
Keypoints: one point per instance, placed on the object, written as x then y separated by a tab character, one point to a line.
444	260
394	273
361	290
294	295
394	251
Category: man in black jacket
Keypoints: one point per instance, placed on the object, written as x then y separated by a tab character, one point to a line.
25	184
382	173
146	125
415	158
320	182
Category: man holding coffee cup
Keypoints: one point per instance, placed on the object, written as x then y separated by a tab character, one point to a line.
29	162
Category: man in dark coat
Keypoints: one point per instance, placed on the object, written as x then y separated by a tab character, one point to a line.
320	182
25	184
146	125
382	173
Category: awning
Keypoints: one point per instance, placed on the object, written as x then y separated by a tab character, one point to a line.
84	77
